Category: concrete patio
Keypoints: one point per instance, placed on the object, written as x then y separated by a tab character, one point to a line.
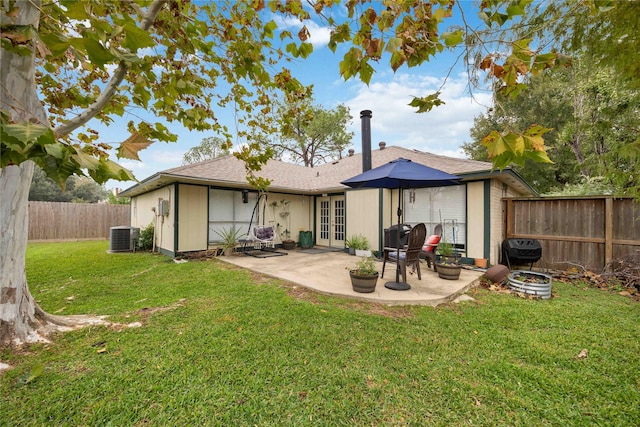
327	273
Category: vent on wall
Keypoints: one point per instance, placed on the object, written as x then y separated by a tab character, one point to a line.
123	238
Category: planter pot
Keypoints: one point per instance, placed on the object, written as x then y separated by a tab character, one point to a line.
448	271
497	273
352	251
363	252
448	259
363	284
530	283
227	252
288	245
480	262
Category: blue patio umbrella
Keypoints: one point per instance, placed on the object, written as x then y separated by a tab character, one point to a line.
400	174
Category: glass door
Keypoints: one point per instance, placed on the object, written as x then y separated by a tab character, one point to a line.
330	215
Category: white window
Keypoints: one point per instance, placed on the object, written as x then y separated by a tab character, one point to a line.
226	211
438	205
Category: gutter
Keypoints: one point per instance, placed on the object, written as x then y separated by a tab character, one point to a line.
472	176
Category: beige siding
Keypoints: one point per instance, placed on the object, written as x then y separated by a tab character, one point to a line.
476	199
300	214
498	191
301	211
192	218
389	208
142	215
475	219
363	215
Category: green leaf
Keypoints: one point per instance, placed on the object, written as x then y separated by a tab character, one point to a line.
269	28
25	132
97	53
515	143
36	371
397	59
543	61
59	169
452	38
495	143
57	43
514	10
286	35
503	160
484	17
85	160
366	72
426	103
76	10
305	49
136	38
58	151
534	138
109	169
292	48
393	44
538	156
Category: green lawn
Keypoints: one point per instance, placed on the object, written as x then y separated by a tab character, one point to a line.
223	346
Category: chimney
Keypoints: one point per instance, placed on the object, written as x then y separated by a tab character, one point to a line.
382	144
351	152
365	116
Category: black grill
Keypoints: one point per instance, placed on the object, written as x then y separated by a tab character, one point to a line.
520	251
391	235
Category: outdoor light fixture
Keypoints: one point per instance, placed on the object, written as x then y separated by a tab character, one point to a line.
245	196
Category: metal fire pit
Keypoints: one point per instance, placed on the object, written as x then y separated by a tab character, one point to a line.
520	252
530	283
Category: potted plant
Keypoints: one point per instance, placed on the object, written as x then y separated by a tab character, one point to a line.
285	236
447	266
229	239
287	242
360	244
349	243
364	276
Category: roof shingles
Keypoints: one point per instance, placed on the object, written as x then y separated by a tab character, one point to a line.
287	176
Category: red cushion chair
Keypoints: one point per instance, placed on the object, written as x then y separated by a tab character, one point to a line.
428	251
431	243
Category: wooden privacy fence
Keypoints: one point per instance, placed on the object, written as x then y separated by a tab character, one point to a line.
587	231
73	221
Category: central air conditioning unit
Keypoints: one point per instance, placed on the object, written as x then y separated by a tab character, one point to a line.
123	238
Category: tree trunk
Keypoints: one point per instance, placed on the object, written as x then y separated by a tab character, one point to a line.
20	317
18	311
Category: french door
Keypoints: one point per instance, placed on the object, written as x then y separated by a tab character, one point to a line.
330	217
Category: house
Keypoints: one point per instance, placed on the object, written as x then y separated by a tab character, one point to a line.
189	204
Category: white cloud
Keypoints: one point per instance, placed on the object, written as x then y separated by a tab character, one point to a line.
167	156
319	34
440	131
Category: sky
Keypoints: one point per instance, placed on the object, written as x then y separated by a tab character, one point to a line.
442	131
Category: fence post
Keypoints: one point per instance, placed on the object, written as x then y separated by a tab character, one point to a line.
608	230
510	219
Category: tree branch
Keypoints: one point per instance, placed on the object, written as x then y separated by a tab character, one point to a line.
82	118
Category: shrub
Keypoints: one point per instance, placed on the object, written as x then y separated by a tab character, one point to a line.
145	241
358	241
365	267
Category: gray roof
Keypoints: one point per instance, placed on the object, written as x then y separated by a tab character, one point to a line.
228	171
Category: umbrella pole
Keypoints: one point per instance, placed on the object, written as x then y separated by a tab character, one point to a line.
398	285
